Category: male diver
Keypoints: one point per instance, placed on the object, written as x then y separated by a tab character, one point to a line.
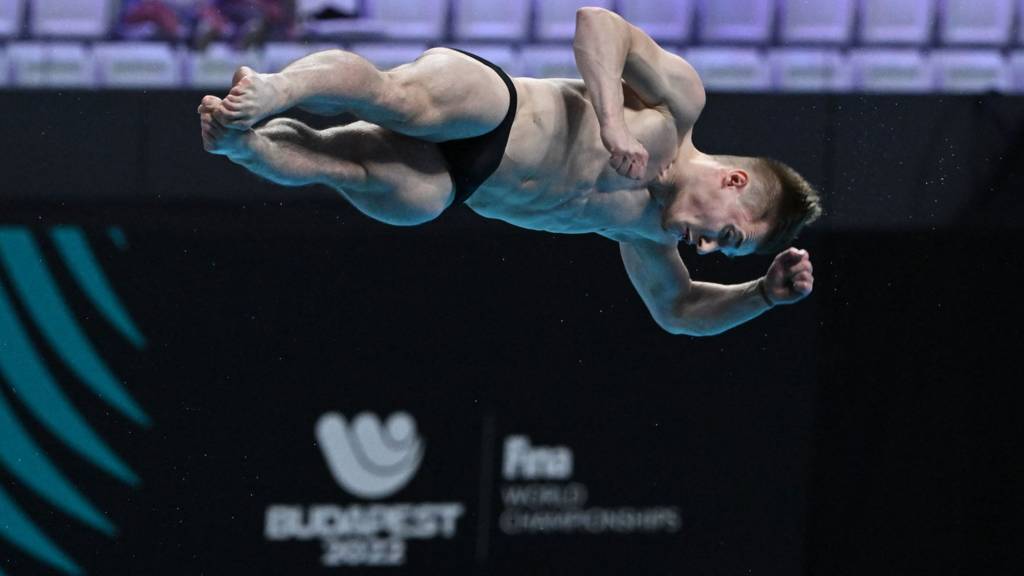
612	154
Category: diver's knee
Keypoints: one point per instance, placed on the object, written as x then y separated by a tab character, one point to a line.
422	211
415	206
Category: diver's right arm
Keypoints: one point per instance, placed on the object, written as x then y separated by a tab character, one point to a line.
680	305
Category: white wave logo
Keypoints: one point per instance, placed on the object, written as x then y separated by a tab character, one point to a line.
369	460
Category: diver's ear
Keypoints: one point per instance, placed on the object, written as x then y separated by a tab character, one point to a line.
737	179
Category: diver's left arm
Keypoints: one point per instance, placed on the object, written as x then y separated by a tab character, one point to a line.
610	50
682	306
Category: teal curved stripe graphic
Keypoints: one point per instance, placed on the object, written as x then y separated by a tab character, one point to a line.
34	385
36	288
17	528
25	459
74	249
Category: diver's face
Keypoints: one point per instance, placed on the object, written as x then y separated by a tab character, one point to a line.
705	212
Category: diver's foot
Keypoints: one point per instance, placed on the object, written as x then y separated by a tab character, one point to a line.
252	98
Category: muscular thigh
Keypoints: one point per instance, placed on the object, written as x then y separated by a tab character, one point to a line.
405	180
451	95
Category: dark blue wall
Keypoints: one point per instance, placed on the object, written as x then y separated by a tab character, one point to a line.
869	429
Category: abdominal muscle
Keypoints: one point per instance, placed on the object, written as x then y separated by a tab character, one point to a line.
555	174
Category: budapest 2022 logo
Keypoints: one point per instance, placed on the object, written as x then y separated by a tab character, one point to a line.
370	461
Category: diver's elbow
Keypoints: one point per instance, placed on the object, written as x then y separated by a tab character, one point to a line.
680	326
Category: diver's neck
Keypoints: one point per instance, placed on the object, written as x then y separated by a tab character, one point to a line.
689	161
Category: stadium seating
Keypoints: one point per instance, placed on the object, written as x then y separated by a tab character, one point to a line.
214	67
731	69
821	21
63	19
486	20
556	19
359	25
5	68
138	65
548	62
970	71
500	54
385	56
1016	65
277	55
11	13
411	19
809	70
890	70
737	45
976	22
896	21
743	21
51	65
664	21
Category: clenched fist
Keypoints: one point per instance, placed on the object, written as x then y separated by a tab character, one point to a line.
790	278
629	157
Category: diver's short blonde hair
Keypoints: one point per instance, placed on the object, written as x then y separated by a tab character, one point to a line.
779	194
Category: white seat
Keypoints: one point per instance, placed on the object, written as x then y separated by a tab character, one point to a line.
386	56
305	8
1015	63
1020	23
56	65
214	67
970	71
488	20
5	68
556	19
78	19
801	70
137	65
731	69
11	12
548	62
277	55
735	20
361	25
826	21
902	70
976	22
896	21
500	55
663	21
410	19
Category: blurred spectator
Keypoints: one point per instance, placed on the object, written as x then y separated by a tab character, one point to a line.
328	9
164	19
245	23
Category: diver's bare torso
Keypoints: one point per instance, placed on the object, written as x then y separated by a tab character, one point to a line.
555	174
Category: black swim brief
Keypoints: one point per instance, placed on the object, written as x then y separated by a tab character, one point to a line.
473	160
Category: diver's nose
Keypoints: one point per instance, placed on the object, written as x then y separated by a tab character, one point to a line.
706	246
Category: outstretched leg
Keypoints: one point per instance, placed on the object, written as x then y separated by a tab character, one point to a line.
443	95
390	177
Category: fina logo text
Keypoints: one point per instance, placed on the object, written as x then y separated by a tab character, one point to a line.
539	496
525	462
370	461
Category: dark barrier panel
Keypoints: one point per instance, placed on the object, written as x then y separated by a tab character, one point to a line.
917	450
257	379
559	430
